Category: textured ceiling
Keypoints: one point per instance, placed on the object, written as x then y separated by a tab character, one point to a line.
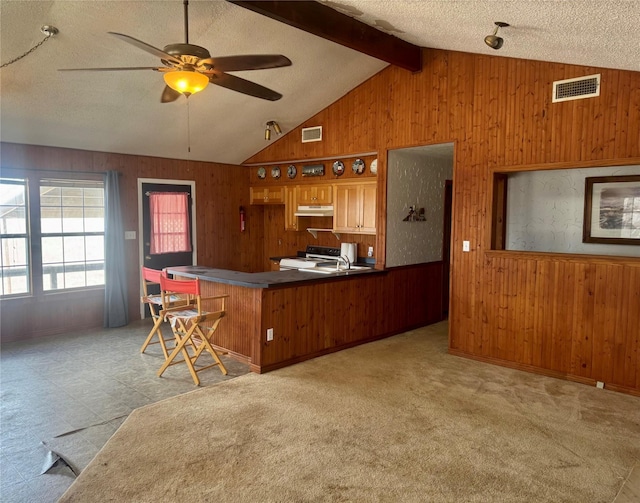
121	111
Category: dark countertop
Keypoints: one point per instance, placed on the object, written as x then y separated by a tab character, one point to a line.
261	279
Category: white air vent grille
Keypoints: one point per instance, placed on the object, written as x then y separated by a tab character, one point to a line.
576	89
311	134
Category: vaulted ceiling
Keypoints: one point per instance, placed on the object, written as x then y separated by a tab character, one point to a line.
121	111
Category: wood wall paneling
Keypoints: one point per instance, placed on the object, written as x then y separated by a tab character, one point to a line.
220	191
499	114
537	313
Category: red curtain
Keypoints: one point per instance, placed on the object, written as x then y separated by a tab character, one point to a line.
169	222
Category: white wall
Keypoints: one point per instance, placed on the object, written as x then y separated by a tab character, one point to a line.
416	178
545	211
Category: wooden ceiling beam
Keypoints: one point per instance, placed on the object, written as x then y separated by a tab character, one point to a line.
322	21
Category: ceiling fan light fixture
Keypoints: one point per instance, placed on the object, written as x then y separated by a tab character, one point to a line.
186	82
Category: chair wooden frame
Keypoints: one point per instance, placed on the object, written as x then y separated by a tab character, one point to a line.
154	301
186	323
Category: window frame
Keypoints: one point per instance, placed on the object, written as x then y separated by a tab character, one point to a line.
34	179
21	180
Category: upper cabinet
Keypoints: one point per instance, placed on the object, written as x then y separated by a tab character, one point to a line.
355	208
309	195
291	222
266	195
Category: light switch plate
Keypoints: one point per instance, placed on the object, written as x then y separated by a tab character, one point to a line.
129	234
466	246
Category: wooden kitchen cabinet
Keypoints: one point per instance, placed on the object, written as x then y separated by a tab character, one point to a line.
355	208
266	195
309	195
291	222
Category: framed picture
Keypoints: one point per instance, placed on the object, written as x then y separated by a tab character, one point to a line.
612	210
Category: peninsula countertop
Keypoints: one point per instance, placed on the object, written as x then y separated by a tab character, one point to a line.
270	279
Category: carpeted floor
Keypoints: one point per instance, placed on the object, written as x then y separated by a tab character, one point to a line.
394	420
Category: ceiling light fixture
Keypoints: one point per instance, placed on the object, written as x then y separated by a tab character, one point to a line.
186	82
267	130
494	41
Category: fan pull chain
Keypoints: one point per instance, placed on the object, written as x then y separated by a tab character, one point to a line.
49	32
188	128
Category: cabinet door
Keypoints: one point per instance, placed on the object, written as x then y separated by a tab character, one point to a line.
290	207
275	195
257	195
323	194
309	195
266	195
368	208
346	209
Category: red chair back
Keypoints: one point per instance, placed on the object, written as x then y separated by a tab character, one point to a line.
152	275
188	286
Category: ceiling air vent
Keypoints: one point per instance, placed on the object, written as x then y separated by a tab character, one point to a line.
576	89
311	134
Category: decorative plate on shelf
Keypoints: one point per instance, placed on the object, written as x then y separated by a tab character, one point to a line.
291	171
358	166
338	168
275	172
262	173
373	167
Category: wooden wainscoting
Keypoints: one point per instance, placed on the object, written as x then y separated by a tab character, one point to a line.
326	315
570	316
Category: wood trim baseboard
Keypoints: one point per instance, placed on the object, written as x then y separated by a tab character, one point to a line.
541	371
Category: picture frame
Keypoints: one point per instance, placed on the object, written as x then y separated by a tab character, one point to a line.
612	210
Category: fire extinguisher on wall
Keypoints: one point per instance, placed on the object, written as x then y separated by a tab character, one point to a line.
242	219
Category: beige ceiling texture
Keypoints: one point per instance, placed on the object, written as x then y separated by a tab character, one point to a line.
121	111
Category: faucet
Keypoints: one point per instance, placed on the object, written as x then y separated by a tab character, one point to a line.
344	259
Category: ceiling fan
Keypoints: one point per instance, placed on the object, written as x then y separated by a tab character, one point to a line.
190	68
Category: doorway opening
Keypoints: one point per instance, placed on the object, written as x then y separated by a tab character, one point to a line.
419	182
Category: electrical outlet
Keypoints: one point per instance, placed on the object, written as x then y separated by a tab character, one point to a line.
599	385
269	334
466	246
370	252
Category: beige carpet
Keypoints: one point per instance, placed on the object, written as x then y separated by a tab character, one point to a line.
395	420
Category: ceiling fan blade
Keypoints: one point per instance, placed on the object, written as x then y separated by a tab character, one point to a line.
247	62
108	69
169	95
244	86
146	47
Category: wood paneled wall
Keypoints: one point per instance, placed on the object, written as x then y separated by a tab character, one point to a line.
278	242
220	190
498	113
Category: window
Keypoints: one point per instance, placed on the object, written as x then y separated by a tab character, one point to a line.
52	234
72	223
14	240
169	222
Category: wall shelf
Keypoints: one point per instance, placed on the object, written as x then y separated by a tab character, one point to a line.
314	232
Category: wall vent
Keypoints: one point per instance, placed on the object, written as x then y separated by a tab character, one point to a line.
311	134
576	89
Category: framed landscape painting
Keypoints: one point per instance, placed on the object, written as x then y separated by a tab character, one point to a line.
612	210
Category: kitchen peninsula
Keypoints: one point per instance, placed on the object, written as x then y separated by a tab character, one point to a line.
310	314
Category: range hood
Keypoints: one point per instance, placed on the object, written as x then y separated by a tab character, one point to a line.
314	211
